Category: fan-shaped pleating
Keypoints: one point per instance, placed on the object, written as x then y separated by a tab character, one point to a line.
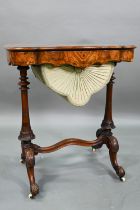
76	84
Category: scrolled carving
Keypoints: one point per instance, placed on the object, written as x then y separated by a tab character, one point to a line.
103	132
112	144
34	189
36	148
30	163
30	159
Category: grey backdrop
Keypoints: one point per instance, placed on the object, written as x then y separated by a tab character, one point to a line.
65	22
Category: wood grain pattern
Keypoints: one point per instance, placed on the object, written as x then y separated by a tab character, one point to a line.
67	142
81	57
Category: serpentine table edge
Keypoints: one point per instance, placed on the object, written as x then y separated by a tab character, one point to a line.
78	56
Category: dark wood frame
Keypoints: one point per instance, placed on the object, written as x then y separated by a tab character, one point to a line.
79	57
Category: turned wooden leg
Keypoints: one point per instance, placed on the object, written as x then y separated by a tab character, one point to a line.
105	130
113	146
26	133
107	123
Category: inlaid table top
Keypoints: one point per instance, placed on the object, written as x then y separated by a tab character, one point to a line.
78	56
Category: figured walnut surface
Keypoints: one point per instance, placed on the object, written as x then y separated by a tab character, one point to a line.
78	56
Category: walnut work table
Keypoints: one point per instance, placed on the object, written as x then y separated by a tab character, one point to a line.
78	57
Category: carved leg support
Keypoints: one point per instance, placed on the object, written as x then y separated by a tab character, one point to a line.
30	163
26	133
105	130
113	146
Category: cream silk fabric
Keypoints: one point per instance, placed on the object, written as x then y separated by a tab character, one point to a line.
75	84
